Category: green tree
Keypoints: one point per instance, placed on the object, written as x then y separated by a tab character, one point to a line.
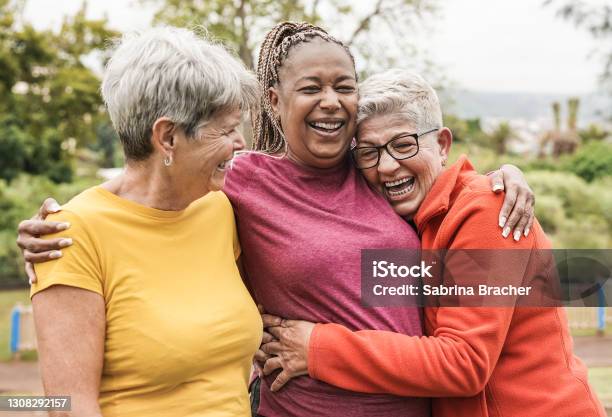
242	23
500	137
49	98
597	20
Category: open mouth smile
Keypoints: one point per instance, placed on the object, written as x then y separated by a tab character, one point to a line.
224	165
399	188
327	127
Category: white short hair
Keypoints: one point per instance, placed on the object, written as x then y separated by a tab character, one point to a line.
398	91
174	73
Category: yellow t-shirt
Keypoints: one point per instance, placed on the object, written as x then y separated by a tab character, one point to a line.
181	328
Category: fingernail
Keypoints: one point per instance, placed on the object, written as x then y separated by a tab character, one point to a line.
63	226
65	242
54	208
30	280
517	235
498	187
526	232
55	254
502	221
506	232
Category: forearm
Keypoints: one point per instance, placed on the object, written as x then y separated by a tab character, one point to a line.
456	361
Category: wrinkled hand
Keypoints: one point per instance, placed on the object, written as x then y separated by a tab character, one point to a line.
517	212
35	249
261	357
289	351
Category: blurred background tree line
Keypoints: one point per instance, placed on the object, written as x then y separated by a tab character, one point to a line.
55	134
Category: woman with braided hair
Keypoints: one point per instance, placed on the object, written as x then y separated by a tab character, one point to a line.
304	216
304	212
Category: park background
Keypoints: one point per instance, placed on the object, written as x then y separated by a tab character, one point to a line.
527	82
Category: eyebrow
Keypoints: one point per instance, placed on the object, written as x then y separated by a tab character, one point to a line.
337	80
369	142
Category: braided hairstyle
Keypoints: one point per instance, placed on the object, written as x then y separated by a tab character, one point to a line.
268	134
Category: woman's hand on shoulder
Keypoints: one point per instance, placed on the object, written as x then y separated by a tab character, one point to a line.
34	248
517	212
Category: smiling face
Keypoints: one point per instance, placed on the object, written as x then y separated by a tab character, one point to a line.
404	183
202	161
316	100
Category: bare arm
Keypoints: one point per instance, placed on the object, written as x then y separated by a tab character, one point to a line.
70	326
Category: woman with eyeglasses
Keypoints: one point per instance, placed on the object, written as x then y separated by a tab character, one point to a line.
503	360
304	212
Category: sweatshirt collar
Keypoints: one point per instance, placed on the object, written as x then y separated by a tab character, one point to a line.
438	199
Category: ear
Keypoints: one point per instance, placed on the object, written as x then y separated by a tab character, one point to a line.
273	95
163	136
445	140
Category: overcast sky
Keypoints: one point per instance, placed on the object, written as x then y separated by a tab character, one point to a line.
483	45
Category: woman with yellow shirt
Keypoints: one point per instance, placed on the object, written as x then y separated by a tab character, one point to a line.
146	313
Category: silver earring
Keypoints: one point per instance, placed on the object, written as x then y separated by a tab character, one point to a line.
168	161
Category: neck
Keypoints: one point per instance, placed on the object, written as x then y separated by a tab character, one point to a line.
151	186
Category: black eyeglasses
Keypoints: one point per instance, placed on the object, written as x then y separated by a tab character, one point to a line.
403	146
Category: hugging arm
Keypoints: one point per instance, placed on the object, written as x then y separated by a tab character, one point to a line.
457	360
70	358
517	213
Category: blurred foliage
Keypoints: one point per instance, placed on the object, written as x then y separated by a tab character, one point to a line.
242	24
50	110
500	136
49	99
573	193
20	201
592	161
593	132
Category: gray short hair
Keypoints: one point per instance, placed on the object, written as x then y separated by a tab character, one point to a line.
398	91
174	73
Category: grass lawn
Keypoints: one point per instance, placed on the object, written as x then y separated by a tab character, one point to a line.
8	298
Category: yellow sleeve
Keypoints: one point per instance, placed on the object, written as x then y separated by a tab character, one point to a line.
79	265
236	241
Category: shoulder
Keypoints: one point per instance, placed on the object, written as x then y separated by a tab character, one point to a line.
83	211
245	170
473	194
473	216
216	201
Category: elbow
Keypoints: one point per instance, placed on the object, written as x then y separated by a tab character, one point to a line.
473	387
473	381
470	377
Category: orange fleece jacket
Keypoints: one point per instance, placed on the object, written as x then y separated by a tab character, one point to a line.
478	361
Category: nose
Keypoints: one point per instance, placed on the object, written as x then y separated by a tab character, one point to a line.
330	101
387	164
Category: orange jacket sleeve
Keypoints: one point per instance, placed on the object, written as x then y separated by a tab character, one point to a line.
457	360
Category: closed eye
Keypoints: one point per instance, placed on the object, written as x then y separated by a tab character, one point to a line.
346	89
311	89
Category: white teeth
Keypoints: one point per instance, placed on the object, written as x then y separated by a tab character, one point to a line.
328	126
402	191
397	182
409	181
223	164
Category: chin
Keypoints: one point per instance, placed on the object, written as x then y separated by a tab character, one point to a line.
330	151
405	209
